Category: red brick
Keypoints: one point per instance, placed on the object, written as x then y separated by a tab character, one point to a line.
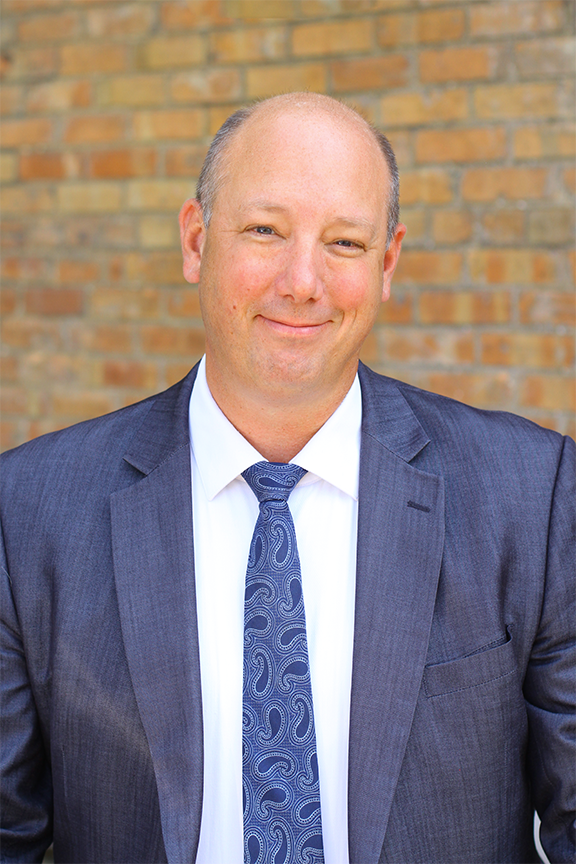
129	373
94	129
549	141
539	350
487	184
41	28
184	303
30	334
162	268
176	371
59	96
506	101
188	341
262	81
7	301
493	390
516	17
132	90
54	301
105	338
429	268
185	161
24	268
136	162
503	227
452	226
9	371
548	307
430	186
206	85
442	25
332	37
417	109
10	435
158	194
132	19
186	14
255	10
83	405
172	52
28	64
550	392
26	199
70	270
125	304
248	45
158	232
545	58
49	166
398	309
13	400
372	73
464	307
461	145
415	345
85	58
19	7
511	265
569	177
29	131
93	197
457	64
11	99
166	125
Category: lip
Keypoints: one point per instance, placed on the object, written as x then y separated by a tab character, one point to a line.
293	328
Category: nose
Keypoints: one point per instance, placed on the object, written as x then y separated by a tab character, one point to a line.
301	278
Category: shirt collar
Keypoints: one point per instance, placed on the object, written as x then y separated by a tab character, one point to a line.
222	453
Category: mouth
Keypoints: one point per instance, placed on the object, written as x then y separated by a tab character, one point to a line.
294	328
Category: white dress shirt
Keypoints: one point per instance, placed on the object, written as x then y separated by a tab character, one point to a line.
324	507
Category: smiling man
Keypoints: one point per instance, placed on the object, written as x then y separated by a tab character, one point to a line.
290	610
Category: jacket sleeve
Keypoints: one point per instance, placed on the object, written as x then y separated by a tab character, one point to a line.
550	685
26	789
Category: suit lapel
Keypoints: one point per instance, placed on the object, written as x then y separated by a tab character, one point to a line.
154	570
400	541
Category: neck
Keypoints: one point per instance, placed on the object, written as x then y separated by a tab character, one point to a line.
277	425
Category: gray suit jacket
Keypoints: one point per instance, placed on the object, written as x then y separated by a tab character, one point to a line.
462	695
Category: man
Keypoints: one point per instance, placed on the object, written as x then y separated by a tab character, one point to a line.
436	545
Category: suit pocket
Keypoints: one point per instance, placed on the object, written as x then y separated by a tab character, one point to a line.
486	665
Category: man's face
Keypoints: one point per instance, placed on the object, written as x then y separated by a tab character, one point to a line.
294	265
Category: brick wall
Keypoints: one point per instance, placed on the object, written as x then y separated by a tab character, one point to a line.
108	109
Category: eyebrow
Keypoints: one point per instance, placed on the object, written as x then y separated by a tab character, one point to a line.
262	204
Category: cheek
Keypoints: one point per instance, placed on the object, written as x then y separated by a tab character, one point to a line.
356	290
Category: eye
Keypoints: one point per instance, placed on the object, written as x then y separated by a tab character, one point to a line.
263	229
347	244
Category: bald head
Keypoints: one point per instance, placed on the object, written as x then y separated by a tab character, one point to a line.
303	107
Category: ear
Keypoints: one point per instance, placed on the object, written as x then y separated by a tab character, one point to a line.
391	260
192	238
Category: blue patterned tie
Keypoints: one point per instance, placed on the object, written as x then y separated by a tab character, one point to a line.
282	823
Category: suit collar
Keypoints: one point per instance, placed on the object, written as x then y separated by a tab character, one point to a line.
164	430
388	417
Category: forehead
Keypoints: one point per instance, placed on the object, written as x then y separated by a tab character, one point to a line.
294	154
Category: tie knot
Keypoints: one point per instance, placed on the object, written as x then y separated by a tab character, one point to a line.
273	481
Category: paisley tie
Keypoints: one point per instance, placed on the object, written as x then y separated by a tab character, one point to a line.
281	795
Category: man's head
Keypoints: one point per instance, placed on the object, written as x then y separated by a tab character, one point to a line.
214	167
296	257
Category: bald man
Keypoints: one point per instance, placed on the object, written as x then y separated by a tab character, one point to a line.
290	610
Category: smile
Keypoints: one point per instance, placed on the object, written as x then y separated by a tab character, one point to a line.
297	328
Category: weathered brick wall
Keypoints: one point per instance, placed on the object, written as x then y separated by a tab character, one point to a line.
108	109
